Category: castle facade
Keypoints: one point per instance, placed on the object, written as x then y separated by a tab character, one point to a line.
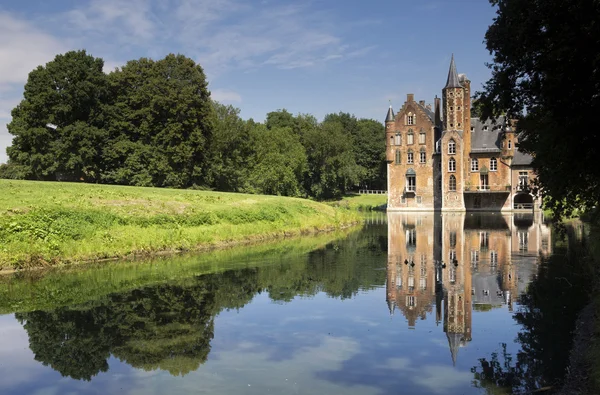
442	159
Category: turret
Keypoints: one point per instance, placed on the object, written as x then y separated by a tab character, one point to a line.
389	135
508	141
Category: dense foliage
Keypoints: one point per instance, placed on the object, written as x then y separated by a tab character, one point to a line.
545	74
153	123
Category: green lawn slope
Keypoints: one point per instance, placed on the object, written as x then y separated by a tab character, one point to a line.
45	223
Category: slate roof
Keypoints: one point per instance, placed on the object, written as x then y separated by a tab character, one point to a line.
390	115
427	111
521	159
452	81
489	140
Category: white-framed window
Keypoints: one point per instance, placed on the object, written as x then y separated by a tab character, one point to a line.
493	258
410	138
452	275
410	119
451	165
411	301
452	255
451	147
398	139
484	182
422	138
523	180
411	183
398	157
411	158
484	240
422	156
474	257
493	164
452	183
474	164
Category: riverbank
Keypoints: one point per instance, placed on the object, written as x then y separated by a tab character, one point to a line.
53	223
361	202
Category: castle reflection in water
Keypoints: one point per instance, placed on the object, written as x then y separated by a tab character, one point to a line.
457	262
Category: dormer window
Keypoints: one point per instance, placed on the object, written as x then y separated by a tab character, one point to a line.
410	119
451	147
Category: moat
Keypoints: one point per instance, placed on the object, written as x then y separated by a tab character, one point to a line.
410	303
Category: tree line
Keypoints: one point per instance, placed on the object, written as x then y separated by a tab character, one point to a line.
153	123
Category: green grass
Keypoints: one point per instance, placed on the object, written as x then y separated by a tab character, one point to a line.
45	223
32	290
361	202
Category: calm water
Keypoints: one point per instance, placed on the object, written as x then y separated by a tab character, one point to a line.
372	311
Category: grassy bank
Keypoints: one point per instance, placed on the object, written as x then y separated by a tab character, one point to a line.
71	285
361	202
45	223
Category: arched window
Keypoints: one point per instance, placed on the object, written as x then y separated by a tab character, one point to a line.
493	164
398	139
410	119
474	164
451	165
411	157
422	137
422	156
398	156
452	183
451	147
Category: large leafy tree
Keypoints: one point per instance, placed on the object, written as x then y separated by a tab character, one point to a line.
280	162
546	74
58	126
161	123
231	150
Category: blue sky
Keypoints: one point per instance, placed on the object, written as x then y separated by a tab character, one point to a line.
314	57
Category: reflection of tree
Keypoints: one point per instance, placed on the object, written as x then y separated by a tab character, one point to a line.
170	326
547	315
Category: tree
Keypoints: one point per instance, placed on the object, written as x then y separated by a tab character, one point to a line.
545	74
67	94
231	150
279	162
161	123
332	167
369	150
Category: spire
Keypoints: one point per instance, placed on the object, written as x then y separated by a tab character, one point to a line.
452	81
391	306
454	340
390	115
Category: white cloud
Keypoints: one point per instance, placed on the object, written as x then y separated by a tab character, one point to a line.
226	96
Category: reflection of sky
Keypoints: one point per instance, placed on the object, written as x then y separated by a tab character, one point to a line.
316	345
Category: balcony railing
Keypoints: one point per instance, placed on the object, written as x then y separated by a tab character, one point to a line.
410	188
487	188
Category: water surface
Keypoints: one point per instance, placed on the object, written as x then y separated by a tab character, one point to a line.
410	304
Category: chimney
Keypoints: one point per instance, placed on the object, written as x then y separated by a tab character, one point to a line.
422	102
438	116
410	97
428	106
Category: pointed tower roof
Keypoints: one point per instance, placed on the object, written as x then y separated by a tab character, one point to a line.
453	81
390	115
454	340
391	306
